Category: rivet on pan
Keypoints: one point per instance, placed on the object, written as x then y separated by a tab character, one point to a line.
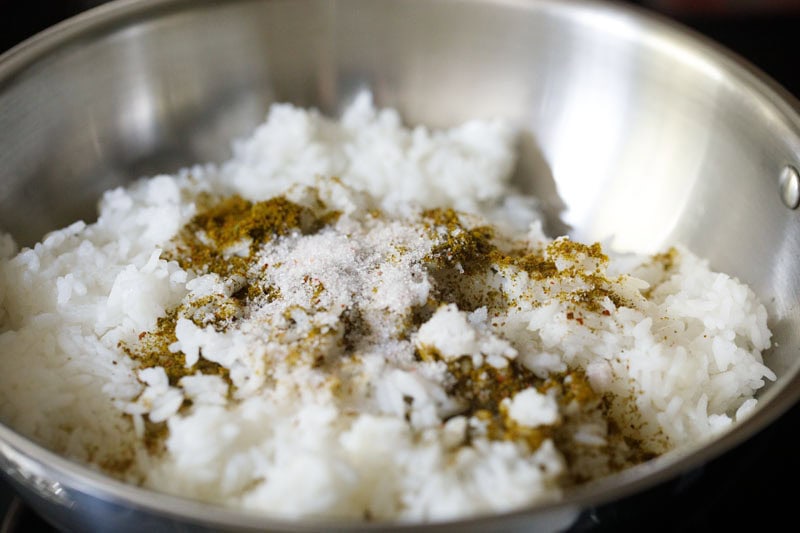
790	187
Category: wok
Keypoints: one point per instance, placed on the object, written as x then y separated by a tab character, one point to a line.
635	130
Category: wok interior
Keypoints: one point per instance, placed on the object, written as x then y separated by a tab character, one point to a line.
630	132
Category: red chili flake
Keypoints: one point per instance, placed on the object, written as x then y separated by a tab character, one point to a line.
580	321
606	312
141	335
570	315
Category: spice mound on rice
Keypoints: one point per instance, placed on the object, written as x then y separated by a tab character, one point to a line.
354	319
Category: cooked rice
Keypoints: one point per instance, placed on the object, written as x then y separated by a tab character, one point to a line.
406	343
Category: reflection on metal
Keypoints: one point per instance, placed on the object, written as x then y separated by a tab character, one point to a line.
29	473
790	187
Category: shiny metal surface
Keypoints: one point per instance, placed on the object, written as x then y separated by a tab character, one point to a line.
790	187
634	131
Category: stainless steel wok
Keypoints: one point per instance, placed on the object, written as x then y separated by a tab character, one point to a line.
636	130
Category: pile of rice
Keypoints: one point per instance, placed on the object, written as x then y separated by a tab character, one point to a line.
355	319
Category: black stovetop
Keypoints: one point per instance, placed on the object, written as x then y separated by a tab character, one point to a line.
751	486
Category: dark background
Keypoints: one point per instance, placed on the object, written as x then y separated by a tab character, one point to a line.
754	485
